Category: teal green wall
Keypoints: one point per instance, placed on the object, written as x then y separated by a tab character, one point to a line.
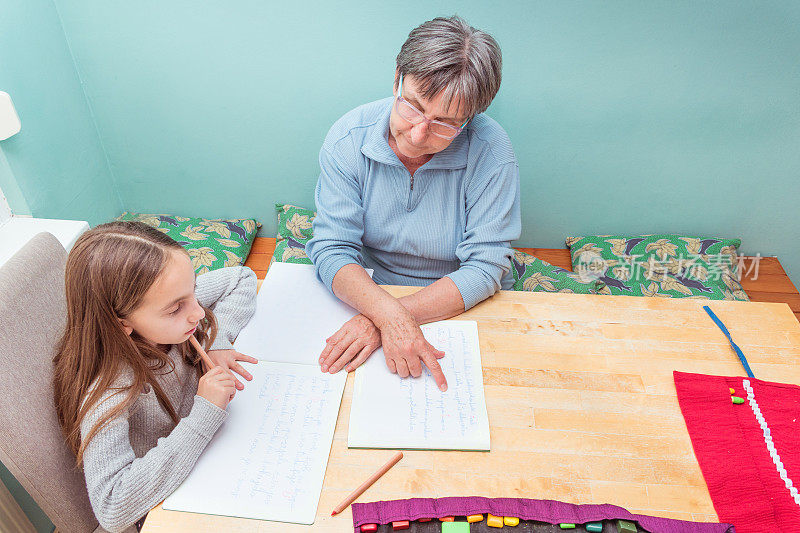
12	192
55	167
626	116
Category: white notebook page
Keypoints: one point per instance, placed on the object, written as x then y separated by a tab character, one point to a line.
392	412
295	313
268	459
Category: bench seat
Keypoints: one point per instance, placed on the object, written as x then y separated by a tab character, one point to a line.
772	284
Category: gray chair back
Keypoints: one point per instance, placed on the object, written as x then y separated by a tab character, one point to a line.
32	319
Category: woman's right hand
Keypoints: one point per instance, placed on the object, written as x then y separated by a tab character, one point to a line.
217	386
406	349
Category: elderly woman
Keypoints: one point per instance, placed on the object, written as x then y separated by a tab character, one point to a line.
423	189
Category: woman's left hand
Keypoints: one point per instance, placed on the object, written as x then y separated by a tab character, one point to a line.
228	359
351	345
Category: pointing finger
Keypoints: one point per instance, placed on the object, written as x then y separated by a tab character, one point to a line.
436	371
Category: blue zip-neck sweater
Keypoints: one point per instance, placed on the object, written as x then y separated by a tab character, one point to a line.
456	218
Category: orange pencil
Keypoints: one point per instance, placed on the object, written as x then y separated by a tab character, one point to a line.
203	355
364	486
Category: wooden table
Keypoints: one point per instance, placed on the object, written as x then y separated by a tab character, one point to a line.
581	403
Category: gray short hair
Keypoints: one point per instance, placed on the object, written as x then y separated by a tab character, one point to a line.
448	55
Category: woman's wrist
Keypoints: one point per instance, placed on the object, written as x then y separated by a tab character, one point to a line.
391	313
353	286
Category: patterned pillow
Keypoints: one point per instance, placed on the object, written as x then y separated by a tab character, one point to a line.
294	231
664	265
211	244
533	274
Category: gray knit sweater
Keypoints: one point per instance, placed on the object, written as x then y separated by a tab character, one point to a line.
141	457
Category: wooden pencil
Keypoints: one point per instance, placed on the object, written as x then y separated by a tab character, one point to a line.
364	486
203	355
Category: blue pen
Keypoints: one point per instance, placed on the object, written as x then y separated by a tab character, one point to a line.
736	349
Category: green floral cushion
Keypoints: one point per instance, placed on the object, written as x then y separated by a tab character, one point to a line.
533	274
664	265
211	244
294	231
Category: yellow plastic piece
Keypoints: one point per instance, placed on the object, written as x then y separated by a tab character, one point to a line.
494	521
474	518
511	520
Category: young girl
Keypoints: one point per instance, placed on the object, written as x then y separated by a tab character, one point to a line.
130	393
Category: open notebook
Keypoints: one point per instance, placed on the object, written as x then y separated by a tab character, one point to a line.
268	459
390	412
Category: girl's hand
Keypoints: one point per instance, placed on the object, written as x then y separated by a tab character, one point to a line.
217	386
227	359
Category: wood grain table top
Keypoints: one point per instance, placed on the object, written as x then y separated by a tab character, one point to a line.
581	404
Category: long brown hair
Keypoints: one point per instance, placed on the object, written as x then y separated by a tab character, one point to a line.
109	270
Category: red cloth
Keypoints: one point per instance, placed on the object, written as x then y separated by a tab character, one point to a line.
729	444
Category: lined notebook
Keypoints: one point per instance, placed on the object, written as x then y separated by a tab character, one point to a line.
412	413
268	459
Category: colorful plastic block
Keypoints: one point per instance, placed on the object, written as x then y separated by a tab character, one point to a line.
369	528
566	526
474	518
400	524
594	527
447	519
511	520
455	527
624	526
423	519
494	521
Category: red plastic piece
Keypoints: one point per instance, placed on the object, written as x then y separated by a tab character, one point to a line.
369	528
400	524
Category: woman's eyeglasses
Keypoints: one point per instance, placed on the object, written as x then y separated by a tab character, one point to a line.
413	115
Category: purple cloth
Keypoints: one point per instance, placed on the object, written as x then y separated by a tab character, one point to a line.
540	510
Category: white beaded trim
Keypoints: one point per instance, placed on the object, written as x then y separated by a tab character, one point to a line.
751	398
